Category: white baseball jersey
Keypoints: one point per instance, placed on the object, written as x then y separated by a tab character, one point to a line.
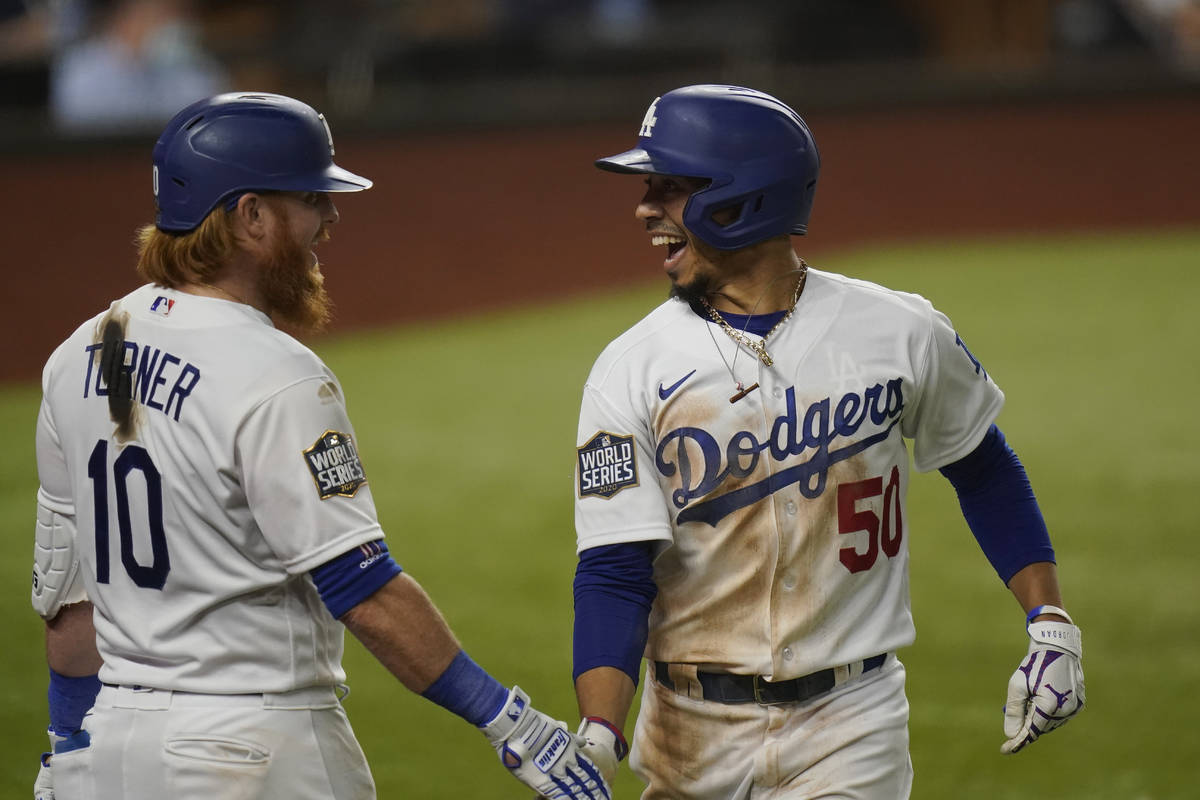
195	532
781	517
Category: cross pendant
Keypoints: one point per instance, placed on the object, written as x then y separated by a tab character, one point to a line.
742	392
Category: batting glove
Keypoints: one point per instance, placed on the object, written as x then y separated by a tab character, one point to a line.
43	787
603	744
541	753
1047	689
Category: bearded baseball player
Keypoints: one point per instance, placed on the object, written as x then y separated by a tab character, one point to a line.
205	529
741	479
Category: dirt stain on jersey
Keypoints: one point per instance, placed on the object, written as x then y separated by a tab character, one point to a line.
681	740
117	375
328	393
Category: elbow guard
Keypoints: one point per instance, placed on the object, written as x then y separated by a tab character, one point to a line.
56	578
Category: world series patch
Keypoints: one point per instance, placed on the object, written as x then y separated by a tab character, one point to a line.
607	465
334	464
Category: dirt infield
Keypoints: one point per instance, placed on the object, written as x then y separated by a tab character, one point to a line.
463	222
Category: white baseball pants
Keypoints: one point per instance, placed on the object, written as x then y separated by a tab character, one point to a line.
150	744
850	744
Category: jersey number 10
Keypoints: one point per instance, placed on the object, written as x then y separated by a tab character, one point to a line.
132	458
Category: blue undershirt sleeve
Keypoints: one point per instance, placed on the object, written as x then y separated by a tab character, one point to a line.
352	577
69	699
999	505
614	589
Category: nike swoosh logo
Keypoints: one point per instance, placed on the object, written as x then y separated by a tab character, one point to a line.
663	394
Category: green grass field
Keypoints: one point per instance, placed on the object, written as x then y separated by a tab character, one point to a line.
467	431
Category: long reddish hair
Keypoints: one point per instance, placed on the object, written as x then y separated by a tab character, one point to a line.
196	256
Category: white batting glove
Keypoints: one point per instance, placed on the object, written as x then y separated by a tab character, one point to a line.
542	754
603	744
43	787
1047	689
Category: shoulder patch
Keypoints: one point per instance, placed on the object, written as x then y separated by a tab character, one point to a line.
607	464
335	466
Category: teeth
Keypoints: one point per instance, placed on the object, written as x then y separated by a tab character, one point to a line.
661	239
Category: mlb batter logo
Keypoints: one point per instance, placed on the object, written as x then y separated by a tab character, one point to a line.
161	306
335	466
607	465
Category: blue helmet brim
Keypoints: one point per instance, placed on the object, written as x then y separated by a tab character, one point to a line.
640	161
337	179
635	160
331	179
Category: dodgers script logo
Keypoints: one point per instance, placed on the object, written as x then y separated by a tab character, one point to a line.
607	465
823	422
334	464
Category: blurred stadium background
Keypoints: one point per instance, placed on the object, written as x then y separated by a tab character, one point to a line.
1030	165
479	120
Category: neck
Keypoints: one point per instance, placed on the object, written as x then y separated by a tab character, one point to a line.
226	289
770	287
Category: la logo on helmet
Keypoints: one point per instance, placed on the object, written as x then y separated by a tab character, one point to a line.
328	133
649	120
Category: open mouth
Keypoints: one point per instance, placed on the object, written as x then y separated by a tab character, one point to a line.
675	246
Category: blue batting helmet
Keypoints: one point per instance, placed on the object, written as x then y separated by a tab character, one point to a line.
242	142
755	151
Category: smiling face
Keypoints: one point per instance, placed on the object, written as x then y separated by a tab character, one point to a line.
696	269
290	281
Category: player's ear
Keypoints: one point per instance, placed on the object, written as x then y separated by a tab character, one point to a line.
249	215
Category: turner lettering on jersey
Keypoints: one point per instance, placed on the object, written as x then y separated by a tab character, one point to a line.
150	371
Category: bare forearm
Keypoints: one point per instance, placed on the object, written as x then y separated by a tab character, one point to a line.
1036	585
71	642
402	628
605	692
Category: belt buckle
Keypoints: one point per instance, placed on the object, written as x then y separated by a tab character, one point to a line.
757	683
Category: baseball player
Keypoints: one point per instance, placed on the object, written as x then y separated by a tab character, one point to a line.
205	526
740	488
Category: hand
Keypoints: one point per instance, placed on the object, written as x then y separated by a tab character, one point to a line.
603	744
542	754
43	787
1047	689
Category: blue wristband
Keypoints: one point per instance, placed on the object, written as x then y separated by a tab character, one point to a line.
1046	609
468	690
69	699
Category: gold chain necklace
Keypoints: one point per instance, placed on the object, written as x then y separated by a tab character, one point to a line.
758	347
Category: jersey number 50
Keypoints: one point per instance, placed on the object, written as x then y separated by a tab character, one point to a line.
131	458
885	534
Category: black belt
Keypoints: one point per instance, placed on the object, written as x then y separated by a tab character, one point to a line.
723	687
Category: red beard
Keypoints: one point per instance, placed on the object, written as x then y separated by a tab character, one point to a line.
292	285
